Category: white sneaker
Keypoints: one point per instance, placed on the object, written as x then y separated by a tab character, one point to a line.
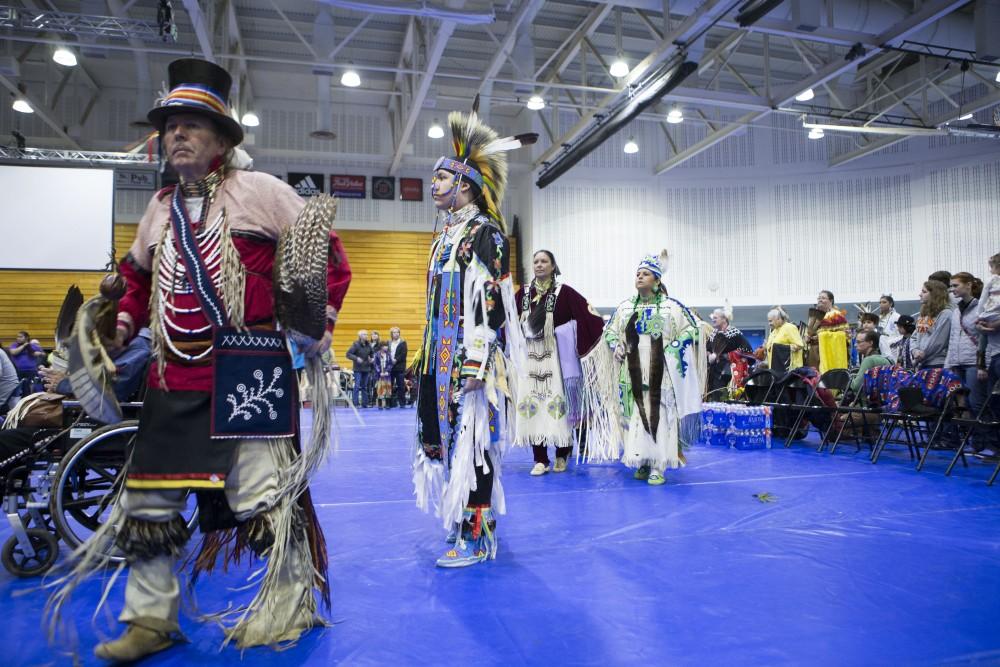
539	469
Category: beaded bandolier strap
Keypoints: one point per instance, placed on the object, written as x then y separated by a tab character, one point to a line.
192	345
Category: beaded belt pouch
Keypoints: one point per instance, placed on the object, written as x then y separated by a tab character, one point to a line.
255	392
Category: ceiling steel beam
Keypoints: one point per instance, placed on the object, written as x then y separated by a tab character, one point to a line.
691	27
526	12
926	15
983	102
416	102
40	110
201	30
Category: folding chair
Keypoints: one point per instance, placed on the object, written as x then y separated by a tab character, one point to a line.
984	420
760	386
794	396
925	404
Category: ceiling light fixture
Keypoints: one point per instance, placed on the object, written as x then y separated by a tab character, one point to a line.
536	103
619	68
675	115
816	133
965	116
64	57
630	146
250	119
21	105
435	131
805	95
351	79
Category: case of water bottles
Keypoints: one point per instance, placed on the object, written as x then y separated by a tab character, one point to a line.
736	426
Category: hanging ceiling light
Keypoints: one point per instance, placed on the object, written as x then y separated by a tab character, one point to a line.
21	105
250	119
965	116
675	115
805	95
536	103
998	77
619	67
351	79
816	133
64	57
631	147
435	131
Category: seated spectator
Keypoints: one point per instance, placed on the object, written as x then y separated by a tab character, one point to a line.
930	342
130	365
130	362
24	353
868	351
8	383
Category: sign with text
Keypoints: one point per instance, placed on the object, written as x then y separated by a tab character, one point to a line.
307	185
135	179
411	189
383	187
348	187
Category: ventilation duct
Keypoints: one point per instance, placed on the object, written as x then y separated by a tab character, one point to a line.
642	95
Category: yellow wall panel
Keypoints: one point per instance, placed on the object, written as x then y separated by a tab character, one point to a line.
388	289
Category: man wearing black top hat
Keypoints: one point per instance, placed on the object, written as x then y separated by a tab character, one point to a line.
201	267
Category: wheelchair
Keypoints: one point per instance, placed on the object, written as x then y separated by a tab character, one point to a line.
64	486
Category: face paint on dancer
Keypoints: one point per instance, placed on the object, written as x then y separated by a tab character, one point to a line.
445	188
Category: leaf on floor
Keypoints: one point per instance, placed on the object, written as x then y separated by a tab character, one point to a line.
765	497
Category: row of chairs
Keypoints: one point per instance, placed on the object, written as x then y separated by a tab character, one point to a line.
921	411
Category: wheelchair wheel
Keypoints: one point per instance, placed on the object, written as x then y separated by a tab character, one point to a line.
18	563
88	480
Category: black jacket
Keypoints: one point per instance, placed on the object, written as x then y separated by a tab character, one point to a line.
399	361
362	355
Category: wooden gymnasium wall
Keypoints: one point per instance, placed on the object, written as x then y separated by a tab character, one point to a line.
387	289
30	300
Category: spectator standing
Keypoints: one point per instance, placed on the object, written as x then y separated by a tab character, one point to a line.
362	355
887	318
963	342
398	352
930	342
902	349
24	354
383	377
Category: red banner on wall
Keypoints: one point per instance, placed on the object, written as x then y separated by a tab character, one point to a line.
411	189
348	187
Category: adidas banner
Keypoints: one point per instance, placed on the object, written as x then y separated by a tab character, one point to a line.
307	185
348	187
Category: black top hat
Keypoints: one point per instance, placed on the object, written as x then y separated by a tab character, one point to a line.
201	87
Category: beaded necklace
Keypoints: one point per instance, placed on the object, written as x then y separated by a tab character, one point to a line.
172	278
648	319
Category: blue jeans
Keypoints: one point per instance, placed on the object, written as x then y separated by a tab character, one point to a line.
361	388
977	394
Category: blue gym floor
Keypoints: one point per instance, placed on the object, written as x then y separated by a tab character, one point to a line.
851	564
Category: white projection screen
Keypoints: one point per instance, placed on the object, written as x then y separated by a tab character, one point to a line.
56	218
